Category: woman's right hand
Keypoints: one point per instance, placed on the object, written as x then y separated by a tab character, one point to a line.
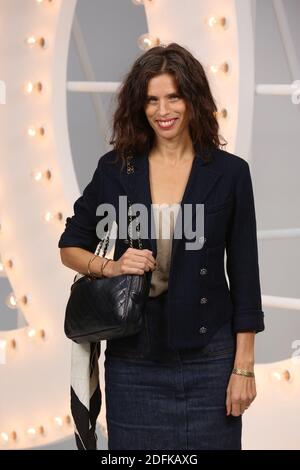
133	261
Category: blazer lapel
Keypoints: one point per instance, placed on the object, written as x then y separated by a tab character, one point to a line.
201	181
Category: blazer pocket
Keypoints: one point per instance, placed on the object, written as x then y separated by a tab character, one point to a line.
219	207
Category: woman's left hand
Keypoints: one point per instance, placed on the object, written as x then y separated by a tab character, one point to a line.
241	392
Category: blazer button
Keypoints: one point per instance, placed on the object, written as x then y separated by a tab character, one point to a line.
203	300
203	271
202	330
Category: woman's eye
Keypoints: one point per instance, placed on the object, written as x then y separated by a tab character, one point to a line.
172	98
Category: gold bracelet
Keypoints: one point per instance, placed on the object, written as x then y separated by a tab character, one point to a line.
88	268
104	264
244	372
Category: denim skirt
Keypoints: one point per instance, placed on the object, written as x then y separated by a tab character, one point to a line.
162	399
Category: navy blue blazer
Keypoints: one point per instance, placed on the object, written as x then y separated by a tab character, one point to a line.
199	300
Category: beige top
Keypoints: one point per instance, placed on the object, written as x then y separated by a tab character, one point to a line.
164	218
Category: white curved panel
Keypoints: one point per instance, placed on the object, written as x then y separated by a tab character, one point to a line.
35	378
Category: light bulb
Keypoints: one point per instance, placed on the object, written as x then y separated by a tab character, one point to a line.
33	333
35	41
4	437
281	376
146	42
216	21
33	432
1	268
11	300
49	216
31	87
58	421
219	68
43	1
33	131
39	175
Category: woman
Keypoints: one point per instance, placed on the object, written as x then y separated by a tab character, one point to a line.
186	379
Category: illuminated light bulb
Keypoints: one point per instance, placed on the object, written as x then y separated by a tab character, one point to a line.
34	131
38	175
34	41
30	87
58	421
32	432
32	333
4	437
281	375
49	216
219	68
1	267
11	300
146	42
43	1
214	21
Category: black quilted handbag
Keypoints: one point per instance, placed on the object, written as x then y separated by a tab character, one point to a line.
106	308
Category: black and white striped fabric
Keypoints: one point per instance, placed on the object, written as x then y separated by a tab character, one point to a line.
86	396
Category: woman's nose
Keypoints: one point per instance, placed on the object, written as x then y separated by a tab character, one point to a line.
163	108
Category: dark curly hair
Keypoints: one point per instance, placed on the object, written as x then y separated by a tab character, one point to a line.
131	130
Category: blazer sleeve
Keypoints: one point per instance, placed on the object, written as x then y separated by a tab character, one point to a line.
242	257
80	229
